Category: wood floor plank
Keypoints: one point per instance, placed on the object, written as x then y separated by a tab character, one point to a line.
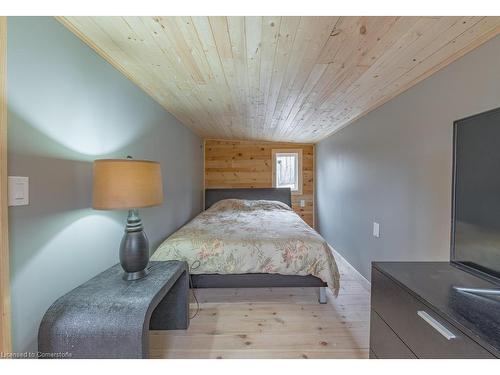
273	323
261	354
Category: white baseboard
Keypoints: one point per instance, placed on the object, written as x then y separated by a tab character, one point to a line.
362	280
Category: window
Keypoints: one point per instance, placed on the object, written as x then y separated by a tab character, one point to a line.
287	170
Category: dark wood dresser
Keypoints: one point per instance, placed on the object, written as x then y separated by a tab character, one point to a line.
416	312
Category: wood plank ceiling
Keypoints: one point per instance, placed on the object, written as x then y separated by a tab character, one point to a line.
295	79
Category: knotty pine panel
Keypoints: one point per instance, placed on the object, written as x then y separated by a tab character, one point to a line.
248	164
284	79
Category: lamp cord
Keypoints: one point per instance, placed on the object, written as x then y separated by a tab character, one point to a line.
193	267
196	264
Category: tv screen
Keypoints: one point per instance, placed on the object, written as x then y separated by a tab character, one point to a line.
476	193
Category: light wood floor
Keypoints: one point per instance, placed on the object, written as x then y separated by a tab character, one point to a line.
273	323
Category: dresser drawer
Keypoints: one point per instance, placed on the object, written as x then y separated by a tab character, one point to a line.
384	343
419	327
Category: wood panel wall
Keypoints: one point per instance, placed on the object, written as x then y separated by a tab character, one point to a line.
5	340
248	164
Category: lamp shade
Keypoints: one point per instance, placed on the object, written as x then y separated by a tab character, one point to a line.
126	183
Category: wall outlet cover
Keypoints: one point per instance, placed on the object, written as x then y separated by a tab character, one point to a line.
376	229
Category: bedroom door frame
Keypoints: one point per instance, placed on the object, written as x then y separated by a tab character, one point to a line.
5	326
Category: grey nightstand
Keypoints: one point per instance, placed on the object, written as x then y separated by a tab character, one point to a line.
108	317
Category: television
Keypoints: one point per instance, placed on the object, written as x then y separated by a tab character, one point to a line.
475	237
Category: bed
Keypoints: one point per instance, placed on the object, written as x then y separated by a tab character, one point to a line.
252	238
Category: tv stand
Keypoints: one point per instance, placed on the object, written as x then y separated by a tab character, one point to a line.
432	310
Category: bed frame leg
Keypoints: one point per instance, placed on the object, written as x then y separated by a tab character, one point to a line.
322	294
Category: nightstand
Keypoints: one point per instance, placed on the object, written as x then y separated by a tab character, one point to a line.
108	317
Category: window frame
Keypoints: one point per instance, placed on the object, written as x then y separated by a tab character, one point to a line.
297	151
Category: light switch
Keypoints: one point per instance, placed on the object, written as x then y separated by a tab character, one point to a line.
376	229
18	191
302	203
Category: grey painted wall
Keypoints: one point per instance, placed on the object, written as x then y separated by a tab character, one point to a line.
394	166
67	107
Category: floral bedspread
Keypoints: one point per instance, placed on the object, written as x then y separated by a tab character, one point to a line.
244	236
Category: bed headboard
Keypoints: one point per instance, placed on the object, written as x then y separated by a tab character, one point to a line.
272	194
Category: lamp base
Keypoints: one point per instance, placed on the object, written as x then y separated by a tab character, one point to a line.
130	276
134	248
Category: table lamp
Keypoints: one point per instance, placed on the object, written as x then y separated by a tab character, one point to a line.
129	184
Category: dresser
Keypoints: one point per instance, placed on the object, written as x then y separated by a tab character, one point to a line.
417	312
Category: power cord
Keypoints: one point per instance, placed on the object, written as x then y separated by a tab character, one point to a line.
196	264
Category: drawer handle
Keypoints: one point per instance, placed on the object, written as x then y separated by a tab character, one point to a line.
436	325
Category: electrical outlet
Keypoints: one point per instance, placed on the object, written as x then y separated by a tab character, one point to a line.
302	203
376	229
